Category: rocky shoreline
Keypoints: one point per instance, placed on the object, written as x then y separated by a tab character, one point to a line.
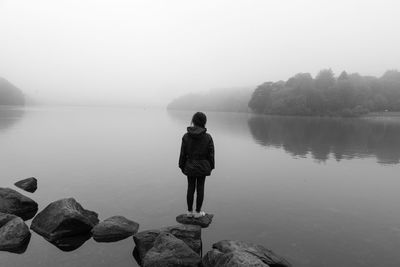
67	225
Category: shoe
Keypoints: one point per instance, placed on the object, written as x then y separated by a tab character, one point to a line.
199	214
190	214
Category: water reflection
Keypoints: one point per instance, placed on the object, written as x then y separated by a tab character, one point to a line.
136	256
9	116
71	243
322	137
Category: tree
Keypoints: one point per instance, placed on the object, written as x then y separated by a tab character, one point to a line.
392	75
325	79
343	76
260	97
349	95
9	94
300	80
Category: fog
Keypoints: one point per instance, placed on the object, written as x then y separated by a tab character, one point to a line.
136	52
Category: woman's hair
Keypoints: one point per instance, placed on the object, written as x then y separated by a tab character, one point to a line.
199	119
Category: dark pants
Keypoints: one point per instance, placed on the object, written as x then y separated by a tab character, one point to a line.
195	184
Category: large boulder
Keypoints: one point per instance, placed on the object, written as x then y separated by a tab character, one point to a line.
241	254
13	202
63	218
190	234
169	251
28	184
14	233
114	229
203	221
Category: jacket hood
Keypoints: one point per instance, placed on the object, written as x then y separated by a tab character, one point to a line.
195	131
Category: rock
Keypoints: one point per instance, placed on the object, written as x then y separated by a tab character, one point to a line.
169	251
14	233
238	253
28	184
190	234
114	229
15	203
144	241
64	218
203	221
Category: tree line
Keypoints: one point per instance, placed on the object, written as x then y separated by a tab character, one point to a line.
9	94
326	95
228	99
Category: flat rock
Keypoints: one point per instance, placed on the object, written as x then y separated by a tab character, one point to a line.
64	218
114	229
203	221
13	202
169	251
238	253
190	234
28	184
14	233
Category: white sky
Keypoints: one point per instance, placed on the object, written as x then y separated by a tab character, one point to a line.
129	51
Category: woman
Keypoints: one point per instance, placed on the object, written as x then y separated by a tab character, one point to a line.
196	161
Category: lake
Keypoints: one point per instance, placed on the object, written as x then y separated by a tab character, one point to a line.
318	191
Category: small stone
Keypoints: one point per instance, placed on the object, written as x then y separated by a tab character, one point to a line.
28	184
64	218
229	253
14	233
169	251
13	202
203	221
114	229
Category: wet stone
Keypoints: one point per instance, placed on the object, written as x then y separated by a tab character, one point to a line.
229	253
13	202
14	233
114	229
203	221
64	218
189	234
28	184
169	251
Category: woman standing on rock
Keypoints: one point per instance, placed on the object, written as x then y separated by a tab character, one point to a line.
196	161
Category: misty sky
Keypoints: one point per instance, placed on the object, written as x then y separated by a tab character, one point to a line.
146	51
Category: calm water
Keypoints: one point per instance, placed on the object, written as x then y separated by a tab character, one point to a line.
320	192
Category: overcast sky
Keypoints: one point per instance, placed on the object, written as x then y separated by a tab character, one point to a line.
117	51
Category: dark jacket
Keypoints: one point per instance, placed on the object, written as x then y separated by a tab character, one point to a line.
197	152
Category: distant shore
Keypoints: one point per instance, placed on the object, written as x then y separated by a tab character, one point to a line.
386	114
383	114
